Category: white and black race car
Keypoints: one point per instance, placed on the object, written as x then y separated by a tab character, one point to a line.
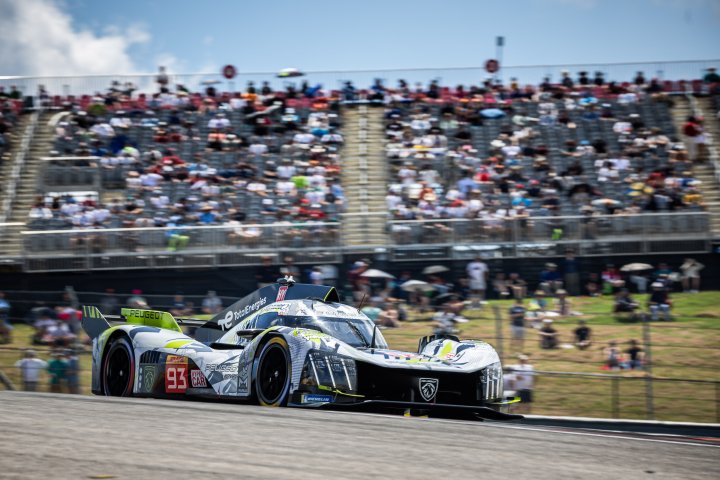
291	344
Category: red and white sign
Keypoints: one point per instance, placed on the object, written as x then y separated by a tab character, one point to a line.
176	374
281	293
197	379
229	72
492	66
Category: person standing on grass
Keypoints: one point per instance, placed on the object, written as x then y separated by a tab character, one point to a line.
517	325
30	368
691	275
522	380
58	369
5	326
73	371
478	273
571	273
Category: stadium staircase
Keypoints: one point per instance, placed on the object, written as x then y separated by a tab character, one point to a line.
364	176
26	188
704	171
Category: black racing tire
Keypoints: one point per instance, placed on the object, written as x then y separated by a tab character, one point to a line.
274	369
118	369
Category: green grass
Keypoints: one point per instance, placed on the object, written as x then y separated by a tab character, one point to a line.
688	348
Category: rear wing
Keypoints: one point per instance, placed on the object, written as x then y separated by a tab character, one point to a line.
94	322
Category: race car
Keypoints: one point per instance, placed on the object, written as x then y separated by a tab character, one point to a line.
291	344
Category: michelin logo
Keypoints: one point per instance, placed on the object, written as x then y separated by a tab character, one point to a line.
227	322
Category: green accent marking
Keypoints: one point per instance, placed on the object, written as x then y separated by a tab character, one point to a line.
447	348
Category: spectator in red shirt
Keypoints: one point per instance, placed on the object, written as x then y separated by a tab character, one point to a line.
693	129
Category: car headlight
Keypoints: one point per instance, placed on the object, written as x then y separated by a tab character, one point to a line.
330	372
491	381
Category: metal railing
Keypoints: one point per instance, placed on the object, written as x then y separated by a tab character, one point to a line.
410	240
182	246
620	396
334	79
18	166
70	174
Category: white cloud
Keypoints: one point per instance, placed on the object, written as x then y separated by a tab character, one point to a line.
39	38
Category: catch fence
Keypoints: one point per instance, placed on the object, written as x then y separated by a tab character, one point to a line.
554	393
675	75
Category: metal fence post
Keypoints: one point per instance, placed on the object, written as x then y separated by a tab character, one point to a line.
649	401
615	396
498	333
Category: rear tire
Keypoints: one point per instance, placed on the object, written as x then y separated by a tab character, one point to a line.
118	371
272	381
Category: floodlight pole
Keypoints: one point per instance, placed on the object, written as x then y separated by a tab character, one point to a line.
499	45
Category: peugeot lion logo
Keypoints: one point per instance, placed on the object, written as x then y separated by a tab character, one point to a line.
428	388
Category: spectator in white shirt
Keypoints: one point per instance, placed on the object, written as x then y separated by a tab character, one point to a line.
258	148
30	368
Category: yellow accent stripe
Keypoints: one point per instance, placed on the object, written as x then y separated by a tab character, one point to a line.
177	343
509	401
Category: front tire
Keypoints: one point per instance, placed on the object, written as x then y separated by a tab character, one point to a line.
272	381
119	369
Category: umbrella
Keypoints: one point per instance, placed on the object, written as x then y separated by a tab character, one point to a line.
636	267
290	72
432	269
417	286
492	113
374	273
605	202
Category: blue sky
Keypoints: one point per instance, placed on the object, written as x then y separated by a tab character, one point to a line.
192	36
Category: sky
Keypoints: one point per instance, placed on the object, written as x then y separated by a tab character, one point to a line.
74	37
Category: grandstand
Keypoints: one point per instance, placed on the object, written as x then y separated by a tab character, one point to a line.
113	173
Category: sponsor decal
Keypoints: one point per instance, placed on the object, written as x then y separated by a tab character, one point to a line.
197	379
150	314
230	317
243	383
428	388
148	373
176	374
281	293
222	367
314	398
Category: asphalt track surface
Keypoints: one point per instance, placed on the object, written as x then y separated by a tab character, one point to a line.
63	436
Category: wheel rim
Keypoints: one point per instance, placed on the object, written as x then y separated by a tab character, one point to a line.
273	374
117	372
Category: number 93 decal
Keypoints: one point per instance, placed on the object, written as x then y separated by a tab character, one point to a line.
176	374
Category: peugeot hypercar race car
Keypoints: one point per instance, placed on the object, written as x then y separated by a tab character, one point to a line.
291	344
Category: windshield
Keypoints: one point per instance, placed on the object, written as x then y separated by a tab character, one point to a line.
356	332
